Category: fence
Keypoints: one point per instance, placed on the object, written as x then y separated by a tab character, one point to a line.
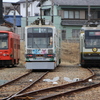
72	40
21	32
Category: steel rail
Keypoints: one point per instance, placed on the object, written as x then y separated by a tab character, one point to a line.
27	87
53	88
15	79
9	97
67	92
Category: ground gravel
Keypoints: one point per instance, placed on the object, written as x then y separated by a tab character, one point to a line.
70	72
12	73
70	58
91	94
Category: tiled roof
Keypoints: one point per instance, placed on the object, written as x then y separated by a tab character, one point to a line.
73	22
71	2
77	2
21	1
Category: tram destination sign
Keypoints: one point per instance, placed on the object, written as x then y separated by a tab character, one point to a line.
40	30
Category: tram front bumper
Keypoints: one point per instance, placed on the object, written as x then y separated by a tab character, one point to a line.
40	65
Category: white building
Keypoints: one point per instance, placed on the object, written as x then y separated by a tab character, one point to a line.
33	10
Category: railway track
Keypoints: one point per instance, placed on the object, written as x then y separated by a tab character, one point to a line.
55	92
19	84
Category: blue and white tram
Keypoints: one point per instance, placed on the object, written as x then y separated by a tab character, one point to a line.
90	46
42	47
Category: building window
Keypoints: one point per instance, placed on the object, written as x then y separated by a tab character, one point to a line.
23	5
94	14
63	34
98	14
47	12
65	14
72	14
77	14
75	33
36	14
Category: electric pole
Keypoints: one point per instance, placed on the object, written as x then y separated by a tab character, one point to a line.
52	11
89	14
1	11
26	12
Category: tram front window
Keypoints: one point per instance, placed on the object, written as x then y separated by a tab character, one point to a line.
92	39
39	40
3	41
92	42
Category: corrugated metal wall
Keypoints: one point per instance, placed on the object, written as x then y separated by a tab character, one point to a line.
21	32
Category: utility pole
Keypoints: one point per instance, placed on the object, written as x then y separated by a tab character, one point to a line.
15	6
52	11
1	12
26	12
14	19
89	14
41	14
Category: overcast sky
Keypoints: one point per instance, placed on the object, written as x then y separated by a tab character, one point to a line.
10	0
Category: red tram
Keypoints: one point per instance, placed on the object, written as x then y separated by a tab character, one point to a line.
9	48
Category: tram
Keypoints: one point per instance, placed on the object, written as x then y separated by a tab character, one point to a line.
9	48
90	45
42	47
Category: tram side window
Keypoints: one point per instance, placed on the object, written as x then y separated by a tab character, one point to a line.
14	43
51	41
11	43
18	44
3	43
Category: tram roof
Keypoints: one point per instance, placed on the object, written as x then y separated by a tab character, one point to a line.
41	26
91	28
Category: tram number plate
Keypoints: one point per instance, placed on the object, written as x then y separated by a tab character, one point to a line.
39	58
31	59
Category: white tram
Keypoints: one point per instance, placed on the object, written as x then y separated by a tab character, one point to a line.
90	46
42	47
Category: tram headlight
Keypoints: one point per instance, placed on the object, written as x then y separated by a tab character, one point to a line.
50	51
5	54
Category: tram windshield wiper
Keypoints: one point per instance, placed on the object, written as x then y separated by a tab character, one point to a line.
36	45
